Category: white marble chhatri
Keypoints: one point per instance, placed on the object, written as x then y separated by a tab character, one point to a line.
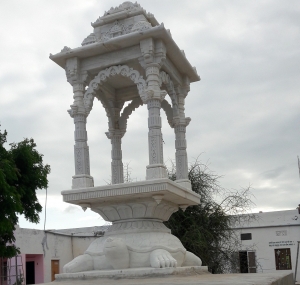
130	57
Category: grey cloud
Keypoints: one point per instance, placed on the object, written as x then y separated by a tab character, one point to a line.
245	110
273	173
72	209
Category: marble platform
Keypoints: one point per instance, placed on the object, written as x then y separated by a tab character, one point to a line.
179	276
131	273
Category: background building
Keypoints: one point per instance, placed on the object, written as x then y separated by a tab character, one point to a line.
269	242
44	253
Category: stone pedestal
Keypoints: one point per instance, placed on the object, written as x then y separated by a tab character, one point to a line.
137	211
142	200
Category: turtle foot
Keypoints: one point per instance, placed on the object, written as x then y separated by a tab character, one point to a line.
161	258
191	260
80	263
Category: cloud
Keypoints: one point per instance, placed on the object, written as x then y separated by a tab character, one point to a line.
72	209
273	173
245	109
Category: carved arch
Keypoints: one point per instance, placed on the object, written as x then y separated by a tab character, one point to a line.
108	110
135	103
165	79
103	75
95	85
169	111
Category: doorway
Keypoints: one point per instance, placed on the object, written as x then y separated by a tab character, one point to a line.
247	262
54	269
30	272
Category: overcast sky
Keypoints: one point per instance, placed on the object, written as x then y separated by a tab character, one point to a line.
245	110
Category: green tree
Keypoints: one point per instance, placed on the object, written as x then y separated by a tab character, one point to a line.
206	229
22	172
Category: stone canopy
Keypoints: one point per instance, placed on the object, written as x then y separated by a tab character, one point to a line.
122	27
117	63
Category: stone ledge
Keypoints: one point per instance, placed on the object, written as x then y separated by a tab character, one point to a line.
134	273
275	278
170	190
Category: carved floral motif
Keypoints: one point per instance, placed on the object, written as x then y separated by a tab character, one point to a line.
141	26
179	167
87	159
89	39
117	29
153	150
78	160
126	6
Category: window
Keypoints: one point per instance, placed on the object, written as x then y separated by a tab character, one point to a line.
247	236
283	258
3	271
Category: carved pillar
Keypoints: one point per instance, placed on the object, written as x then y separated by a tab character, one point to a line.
180	123
117	175
82	178
153	56
153	97
181	154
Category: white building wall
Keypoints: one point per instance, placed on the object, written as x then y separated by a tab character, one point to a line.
270	231
53	245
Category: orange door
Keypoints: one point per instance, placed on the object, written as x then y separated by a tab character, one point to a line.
54	269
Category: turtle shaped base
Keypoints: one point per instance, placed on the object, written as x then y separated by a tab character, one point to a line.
137	238
155	249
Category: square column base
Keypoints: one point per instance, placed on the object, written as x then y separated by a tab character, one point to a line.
156	171
82	181
185	183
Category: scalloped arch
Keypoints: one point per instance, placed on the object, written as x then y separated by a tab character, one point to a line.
135	103
166	80
103	75
169	111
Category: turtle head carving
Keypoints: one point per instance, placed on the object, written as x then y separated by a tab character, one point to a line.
116	253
